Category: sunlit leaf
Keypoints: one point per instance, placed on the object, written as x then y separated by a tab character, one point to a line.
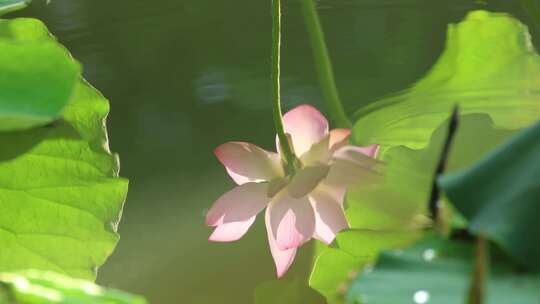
400	202
394	214
60	194
499	195
439	271
332	272
37	75
488	66
335	267
35	287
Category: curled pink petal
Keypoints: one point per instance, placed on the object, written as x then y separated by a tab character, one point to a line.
238	205
355	153
292	220
229	232
306	125
353	165
371	151
282	258
246	162
329	216
339	138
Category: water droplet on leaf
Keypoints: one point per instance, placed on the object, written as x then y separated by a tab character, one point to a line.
421	297
429	255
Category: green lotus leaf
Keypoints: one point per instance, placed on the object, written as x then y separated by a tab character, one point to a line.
35	287
355	249
60	194
436	270
488	66
499	195
38	76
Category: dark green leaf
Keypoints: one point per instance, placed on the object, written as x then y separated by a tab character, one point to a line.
499	195
439	271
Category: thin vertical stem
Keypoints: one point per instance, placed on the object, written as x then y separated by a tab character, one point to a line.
324	66
434	204
481	264
532	7
286	149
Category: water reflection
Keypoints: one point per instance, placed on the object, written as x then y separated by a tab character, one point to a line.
211	86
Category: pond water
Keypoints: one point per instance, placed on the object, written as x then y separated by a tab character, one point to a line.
186	76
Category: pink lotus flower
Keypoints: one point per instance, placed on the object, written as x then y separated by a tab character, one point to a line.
308	204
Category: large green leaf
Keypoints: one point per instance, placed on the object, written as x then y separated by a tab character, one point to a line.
35	287
439	271
393	214
499	195
332	272
7	6
37	75
335	267
488	66
61	199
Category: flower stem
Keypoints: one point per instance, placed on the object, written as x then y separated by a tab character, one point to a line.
286	149
481	265
324	66
434	200
532	8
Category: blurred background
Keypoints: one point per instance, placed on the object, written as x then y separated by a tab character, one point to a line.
185	76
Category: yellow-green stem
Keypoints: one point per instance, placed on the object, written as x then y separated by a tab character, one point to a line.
286	149
324	66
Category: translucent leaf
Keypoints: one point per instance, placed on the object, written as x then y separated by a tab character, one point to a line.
60	194
332	272
335	267
35	287
488	66
394	214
